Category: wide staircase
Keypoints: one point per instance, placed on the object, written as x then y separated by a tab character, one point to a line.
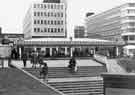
86	81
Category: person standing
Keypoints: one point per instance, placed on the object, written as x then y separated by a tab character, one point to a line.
24	58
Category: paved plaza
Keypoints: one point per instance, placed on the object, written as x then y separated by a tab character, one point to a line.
59	63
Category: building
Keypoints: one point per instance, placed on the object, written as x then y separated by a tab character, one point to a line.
46	19
79	32
116	24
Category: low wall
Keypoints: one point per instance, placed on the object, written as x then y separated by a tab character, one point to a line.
119	84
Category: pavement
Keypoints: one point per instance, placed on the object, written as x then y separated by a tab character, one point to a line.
60	63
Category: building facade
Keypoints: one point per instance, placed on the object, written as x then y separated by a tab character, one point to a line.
115	24
46	19
79	32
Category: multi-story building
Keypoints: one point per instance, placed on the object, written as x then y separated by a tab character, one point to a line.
46	19
116	24
79	32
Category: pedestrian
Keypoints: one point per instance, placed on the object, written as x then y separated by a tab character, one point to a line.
24	58
44	72
40	60
72	65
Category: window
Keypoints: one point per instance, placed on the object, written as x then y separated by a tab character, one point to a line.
48	22
38	13
45	30
55	22
34	21
41	21
44	6
62	30
61	22
38	30
48	29
61	6
131	11
34	13
61	14
34	5
51	6
51	29
35	30
38	22
58	14
51	22
48	14
58	29
58	23
44	21
41	13
44	13
51	14
55	30
48	6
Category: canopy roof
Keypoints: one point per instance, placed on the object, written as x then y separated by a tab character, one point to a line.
129	47
128	34
67	42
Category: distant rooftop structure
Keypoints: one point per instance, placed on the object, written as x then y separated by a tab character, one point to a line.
51	1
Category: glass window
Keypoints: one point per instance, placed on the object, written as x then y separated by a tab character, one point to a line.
38	30
41	21
38	22
62	30
61	14
131	4
35	30
38	13
48	22
48	6
51	29
44	6
41	13
48	14
44	13
61	6
132	11
34	21
48	29
34	5
58	29
51	6
55	30
132	37
45	30
61	22
51	14
51	22
34	13
44	21
55	22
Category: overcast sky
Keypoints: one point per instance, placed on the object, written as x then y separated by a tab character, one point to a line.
12	12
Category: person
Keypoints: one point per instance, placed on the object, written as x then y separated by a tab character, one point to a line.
40	60
24	58
72	65
44	71
34	59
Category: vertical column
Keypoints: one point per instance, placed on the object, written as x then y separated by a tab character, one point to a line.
71	52
50	51
66	51
20	52
117	51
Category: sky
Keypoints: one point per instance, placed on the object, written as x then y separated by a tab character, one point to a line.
12	12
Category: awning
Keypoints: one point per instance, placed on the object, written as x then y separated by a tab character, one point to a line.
128	34
129	47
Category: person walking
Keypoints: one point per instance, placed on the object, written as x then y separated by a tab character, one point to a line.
72	65
24	58
44	72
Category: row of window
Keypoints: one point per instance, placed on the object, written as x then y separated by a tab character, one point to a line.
131	11
49	30
49	6
49	22
49	14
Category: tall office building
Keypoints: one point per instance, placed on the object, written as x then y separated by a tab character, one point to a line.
46	19
116	24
